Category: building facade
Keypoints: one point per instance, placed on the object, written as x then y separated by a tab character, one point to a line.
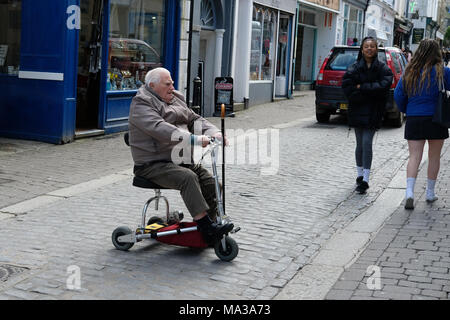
380	19
423	14
71	67
262	52
316	33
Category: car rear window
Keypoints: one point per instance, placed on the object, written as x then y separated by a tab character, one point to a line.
341	59
382	56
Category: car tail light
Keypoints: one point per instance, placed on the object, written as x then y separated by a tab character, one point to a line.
322	69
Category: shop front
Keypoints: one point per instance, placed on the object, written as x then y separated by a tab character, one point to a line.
316	34
71	67
263	66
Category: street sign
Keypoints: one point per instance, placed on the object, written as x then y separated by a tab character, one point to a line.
223	94
417	35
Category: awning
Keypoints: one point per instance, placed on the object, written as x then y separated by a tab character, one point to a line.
380	35
402	28
439	35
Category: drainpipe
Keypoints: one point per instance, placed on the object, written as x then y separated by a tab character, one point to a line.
364	18
191	23
294	44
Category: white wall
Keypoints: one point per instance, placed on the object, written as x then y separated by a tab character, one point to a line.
326	39
242	58
400	7
184	44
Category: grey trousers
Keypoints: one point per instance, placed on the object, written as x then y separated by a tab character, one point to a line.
363	151
195	183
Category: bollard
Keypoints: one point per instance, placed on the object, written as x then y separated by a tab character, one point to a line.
197	97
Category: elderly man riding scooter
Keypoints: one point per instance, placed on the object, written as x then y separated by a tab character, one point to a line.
159	120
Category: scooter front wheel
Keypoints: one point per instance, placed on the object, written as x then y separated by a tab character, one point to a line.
231	249
121	231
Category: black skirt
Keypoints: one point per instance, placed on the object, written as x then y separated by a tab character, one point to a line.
422	128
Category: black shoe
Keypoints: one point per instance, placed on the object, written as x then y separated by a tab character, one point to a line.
212	231
362	187
359	180
409	204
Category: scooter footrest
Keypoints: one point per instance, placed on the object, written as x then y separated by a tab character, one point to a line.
235	230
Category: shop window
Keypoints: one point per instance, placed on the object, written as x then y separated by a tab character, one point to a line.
262	51
10	21
136	34
207	15
306	17
352	24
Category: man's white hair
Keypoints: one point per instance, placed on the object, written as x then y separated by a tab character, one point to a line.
154	75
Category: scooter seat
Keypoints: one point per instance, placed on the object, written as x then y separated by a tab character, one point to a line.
145	183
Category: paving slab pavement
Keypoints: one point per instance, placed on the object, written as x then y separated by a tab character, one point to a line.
387	252
409	258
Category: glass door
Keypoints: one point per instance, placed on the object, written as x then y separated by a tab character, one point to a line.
282	57
89	56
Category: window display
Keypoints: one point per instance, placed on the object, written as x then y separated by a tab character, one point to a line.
353	24
10	13
135	42
262	43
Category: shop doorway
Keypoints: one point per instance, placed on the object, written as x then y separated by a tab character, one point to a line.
282	57
305	55
89	64
206	57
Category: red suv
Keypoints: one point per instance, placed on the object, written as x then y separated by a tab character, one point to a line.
330	98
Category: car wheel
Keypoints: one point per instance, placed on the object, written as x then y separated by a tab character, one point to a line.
323	117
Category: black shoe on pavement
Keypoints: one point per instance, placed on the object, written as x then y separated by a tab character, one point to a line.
212	231
409	204
359	180
362	187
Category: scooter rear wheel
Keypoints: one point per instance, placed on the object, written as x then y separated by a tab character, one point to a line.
118	232
231	249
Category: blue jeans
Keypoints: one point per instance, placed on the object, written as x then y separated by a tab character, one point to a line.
363	152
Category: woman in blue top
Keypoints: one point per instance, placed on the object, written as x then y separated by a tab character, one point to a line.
416	95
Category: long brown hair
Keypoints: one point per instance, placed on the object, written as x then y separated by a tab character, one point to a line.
426	56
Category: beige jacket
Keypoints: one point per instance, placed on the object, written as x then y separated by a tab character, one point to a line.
156	127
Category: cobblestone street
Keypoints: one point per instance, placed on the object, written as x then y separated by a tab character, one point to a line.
285	217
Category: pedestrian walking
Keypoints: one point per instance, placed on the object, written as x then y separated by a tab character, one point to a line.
417	95
366	84
444	57
408	54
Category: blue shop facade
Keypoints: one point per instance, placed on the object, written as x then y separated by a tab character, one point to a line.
71	67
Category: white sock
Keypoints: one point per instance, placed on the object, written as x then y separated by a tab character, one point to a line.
359	171
430	188
366	174
410	182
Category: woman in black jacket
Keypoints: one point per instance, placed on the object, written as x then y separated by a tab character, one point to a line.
366	85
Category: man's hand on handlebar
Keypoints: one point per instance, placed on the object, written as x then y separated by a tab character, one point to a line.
218	136
205	140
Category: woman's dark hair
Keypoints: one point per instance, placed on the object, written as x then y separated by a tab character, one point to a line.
360	54
427	55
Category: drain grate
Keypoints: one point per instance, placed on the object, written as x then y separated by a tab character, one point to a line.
7	271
